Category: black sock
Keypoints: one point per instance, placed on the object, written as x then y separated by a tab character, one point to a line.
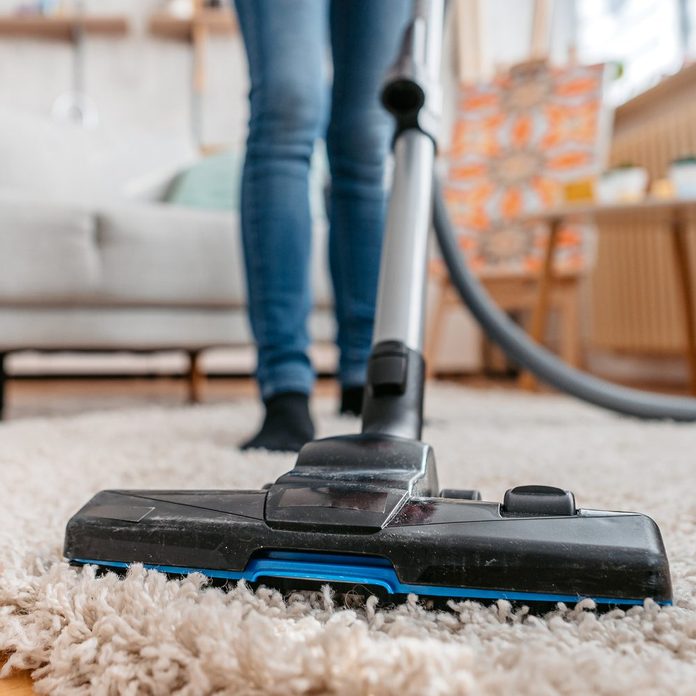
287	424
352	400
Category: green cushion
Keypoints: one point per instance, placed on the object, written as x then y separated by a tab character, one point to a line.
214	182
211	183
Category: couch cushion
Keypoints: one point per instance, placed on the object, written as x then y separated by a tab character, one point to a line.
47	252
171	255
212	183
129	255
163	254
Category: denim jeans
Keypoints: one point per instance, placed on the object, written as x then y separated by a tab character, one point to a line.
291	105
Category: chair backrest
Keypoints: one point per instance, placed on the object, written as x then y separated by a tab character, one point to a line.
516	141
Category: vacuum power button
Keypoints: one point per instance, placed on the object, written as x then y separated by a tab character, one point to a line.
538	500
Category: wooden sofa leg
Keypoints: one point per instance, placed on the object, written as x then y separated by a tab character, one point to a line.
195	377
3	381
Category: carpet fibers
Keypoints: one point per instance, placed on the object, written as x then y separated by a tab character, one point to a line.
147	635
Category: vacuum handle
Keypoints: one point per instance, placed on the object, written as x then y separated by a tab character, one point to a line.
396	372
412	95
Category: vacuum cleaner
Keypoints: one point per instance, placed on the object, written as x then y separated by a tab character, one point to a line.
365	512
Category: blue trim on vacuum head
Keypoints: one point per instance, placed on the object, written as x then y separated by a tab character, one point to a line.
357	570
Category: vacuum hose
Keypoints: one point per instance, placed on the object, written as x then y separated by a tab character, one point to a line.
523	351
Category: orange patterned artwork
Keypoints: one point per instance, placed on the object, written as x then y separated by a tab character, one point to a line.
516	142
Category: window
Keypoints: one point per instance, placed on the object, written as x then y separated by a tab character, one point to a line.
649	38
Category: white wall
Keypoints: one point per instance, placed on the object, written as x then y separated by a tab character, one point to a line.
506	27
137	82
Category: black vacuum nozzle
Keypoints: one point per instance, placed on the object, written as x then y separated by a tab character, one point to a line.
362	512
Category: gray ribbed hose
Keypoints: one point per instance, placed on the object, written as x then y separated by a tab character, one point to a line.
522	350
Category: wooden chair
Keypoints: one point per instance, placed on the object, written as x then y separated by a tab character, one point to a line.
514	294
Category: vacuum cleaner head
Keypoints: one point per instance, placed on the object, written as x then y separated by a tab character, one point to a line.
362	513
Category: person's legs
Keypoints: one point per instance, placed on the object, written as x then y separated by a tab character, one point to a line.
286	46
365	37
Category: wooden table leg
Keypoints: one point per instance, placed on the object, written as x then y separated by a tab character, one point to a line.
540	313
433	338
681	260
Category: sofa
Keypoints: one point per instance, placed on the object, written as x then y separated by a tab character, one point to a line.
137	277
118	269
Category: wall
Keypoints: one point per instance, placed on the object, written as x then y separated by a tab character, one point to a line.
506	27
137	82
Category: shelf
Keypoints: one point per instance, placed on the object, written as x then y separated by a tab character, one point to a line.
214	22
62	28
677	86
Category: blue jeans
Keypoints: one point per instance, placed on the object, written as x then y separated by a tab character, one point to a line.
286	43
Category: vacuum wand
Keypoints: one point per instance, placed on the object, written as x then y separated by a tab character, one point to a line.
396	371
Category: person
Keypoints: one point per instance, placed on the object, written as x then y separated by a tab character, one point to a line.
287	44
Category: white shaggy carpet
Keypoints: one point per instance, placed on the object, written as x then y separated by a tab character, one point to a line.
145	634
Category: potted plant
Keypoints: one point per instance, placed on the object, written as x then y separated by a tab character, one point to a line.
682	174
626	182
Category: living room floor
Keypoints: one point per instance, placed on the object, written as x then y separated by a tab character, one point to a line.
505	438
40	398
35	398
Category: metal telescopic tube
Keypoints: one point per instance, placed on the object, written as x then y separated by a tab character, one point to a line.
402	277
393	403
400	312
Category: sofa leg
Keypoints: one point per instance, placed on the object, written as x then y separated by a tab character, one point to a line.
3	381
195	377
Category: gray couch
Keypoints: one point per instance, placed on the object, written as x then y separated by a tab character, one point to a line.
128	276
